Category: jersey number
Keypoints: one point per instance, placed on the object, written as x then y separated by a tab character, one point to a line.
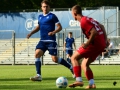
97	27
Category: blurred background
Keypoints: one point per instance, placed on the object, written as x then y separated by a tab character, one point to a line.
19	17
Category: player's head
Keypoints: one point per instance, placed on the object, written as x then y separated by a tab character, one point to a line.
70	34
45	6
76	11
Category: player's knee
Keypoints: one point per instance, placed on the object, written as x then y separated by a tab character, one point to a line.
83	66
37	56
38	53
54	60
72	58
68	55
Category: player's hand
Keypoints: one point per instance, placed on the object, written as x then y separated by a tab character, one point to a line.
51	33
84	45
28	36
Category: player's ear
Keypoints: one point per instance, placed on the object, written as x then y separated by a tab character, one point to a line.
75	14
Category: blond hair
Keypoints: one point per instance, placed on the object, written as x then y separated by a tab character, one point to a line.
77	9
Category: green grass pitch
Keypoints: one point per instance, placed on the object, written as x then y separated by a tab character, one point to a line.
16	77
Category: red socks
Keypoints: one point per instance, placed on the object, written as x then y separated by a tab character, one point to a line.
89	74
77	71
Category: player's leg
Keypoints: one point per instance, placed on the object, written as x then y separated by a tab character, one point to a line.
38	53
69	54
53	53
63	62
109	53
68	58
102	55
88	72
91	53
77	69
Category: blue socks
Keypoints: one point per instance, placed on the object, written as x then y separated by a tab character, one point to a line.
60	61
38	66
68	59
64	62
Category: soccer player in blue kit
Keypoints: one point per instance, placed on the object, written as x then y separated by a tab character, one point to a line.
68	46
46	24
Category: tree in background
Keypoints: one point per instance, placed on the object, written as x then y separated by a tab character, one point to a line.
35	4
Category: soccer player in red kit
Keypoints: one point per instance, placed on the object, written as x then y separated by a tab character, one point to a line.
96	43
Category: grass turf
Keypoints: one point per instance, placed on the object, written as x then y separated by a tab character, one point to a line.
17	77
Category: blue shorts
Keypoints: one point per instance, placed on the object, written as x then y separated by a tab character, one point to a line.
70	52
50	46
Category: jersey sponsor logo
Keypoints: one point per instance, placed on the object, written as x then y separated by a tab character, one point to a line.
73	23
40	17
30	24
47	17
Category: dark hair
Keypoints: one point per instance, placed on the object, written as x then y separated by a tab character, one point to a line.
46	2
77	9
70	33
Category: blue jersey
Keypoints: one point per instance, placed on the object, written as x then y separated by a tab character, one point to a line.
69	42
47	24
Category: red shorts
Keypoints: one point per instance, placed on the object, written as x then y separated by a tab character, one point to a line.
92	51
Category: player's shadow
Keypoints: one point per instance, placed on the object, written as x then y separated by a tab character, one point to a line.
14	79
84	88
107	88
107	78
49	78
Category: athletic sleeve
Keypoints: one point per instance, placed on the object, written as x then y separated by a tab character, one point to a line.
86	24
55	19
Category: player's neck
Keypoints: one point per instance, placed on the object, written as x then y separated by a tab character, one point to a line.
69	37
79	17
45	13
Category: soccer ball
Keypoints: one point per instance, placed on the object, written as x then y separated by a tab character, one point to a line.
61	82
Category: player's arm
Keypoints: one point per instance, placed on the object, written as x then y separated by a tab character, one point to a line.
33	31
58	29
74	45
93	33
64	48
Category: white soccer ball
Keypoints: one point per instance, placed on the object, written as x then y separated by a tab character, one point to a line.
61	82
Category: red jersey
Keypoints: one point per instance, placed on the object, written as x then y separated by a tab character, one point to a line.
87	24
97	46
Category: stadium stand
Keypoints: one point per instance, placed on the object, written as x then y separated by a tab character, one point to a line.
25	49
6	56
